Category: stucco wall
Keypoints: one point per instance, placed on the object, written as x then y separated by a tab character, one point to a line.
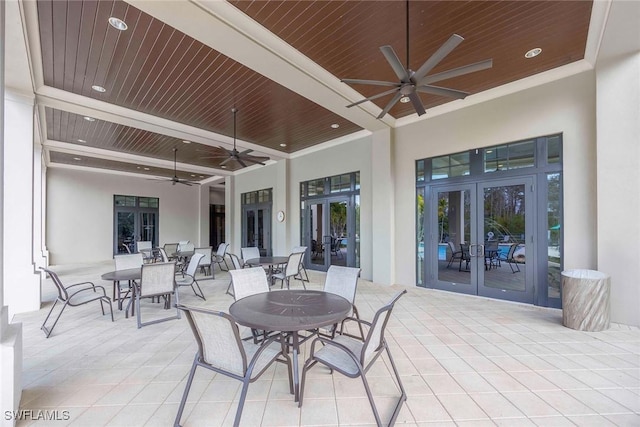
80	213
566	106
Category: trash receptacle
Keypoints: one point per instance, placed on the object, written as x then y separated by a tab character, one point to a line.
586	300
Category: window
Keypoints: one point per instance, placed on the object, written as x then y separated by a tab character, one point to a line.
509	156
450	166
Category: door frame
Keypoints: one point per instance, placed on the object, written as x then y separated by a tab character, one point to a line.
266	207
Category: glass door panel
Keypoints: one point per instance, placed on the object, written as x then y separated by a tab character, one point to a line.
507	238
337	239
148	227
451	231
126	232
315	233
263	233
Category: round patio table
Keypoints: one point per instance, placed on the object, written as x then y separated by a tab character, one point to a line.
271	261
290	311
129	274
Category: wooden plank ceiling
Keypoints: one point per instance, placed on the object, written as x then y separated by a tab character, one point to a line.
155	69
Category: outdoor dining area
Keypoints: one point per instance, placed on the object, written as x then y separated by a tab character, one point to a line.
269	354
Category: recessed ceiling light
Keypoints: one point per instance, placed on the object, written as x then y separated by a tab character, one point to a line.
146	169
118	23
283	145
89	119
201	176
77	158
533	52
186	142
223	167
81	140
405	99
193	175
98	88
335	126
139	167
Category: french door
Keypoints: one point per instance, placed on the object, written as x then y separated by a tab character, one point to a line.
329	232
480	238
256	227
133	225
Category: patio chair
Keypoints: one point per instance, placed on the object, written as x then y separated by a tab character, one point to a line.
170	249
248	281
221	350
291	270
219	256
189	275
125	262
455	255
303	271
205	262
354	358
126	248
182	244
73	296
343	281
237	265
145	247
163	255
158	280
509	259
249	253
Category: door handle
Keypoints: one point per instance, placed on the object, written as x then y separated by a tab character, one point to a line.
473	253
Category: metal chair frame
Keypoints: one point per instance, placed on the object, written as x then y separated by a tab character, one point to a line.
67	298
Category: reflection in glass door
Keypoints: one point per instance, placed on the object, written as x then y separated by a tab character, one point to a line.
148	225
479	235
125	232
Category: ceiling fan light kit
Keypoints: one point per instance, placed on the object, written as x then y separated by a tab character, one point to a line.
411	82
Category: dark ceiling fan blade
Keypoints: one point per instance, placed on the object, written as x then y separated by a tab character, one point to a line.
395	63
461	71
181	181
245	152
369	82
243	164
438	56
443	91
380	95
417	103
391	103
227	161
255	160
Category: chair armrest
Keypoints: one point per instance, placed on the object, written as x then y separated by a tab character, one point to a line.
81	283
329	342
94	288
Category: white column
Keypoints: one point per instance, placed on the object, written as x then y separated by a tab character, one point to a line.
282	202
618	160
22	279
204	216
383	205
10	334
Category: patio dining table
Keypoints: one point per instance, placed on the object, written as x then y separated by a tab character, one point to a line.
117	276
289	312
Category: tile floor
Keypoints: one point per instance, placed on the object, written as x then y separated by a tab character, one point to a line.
464	361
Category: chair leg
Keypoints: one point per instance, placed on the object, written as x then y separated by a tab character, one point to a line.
371	402
192	373
199	295
243	396
229	289
403	394
46	331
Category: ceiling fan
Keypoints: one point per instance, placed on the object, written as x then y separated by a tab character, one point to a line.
411	82
241	157
175	180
